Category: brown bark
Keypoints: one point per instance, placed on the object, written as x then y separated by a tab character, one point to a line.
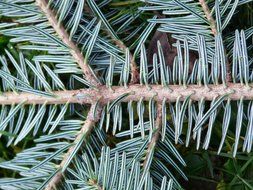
105	95
156	135
208	16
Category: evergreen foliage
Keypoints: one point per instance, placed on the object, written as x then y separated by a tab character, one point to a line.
92	112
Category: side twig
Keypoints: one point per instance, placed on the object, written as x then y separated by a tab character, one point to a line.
64	36
77	55
86	129
134	69
156	134
208	16
214	31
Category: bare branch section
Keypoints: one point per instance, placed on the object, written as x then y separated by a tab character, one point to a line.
214	31
64	36
86	129
156	135
105	95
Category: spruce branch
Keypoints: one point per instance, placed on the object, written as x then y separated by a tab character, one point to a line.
64	36
103	94
29	83
156	134
87	128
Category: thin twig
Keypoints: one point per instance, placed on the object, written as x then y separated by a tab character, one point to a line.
209	16
214	31
86	129
92	117
64	36
134	69
156	134
133	66
105	95
228	72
